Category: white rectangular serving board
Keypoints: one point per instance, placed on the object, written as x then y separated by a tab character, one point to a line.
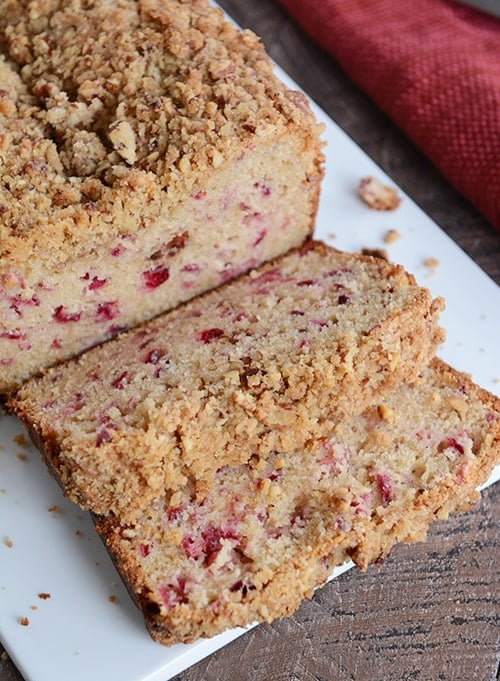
89	628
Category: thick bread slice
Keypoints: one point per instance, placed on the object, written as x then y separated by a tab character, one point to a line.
267	533
263	363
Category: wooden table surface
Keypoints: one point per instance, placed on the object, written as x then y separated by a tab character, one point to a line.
431	611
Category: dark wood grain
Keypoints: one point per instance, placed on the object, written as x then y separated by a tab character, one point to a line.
431	612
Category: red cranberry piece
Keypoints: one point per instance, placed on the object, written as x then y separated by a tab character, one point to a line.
454	444
117	251
12	335
307	282
259	237
18	301
212	543
103	436
265	189
154	356
190	547
173	513
190	267
209	335
343	299
155	277
62	316
97	283
144	550
175	592
123	531
267	276
107	310
114	329
120	381
385	487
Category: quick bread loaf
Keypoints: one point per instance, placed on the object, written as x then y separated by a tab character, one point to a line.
262	363
147	153
267	533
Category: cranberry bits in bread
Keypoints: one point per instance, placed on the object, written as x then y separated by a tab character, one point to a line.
269	532
264	362
147	154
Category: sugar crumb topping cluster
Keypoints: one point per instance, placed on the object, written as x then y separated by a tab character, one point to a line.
149	92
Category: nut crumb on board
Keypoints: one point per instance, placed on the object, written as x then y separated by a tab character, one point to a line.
53	509
24	621
431	262
391	236
377	195
8	542
21	456
112	599
44	596
20	440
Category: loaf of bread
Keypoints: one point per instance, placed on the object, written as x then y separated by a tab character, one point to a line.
147	154
269	532
262	363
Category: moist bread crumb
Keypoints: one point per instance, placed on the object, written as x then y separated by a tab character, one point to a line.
391	236
263	537
263	363
148	153
377	195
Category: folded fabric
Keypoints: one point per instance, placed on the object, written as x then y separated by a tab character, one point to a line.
434	68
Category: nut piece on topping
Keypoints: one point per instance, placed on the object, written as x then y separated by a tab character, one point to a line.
377	195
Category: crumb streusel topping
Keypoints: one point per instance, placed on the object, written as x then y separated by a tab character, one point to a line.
99	99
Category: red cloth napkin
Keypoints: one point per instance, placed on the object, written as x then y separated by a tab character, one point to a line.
434	67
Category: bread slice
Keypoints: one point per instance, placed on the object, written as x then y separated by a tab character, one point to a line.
148	153
262	363
268	532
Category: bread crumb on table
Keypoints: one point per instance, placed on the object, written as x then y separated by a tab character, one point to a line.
44	596
24	621
378	196
391	236
8	542
431	262
20	440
